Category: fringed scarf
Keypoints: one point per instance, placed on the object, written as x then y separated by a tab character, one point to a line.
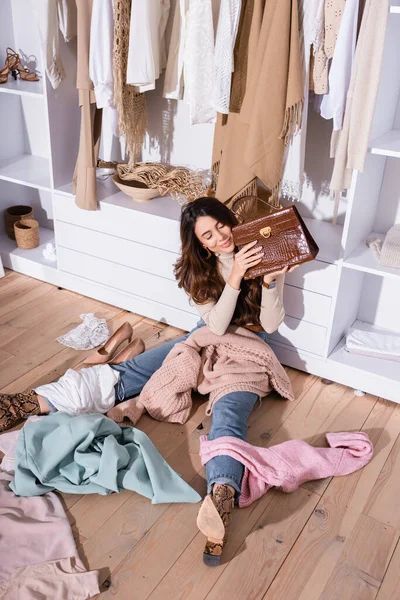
131	106
251	144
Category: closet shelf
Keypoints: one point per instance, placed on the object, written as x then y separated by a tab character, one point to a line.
23	88
395	10
30	262
387	370
108	193
33	171
387	144
363	259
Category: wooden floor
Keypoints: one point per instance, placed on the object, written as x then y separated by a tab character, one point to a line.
331	539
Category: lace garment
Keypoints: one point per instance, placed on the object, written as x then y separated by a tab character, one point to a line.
228	24
91	333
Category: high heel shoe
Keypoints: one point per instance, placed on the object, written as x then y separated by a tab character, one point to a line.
213	521
24	73
10	64
106	352
133	349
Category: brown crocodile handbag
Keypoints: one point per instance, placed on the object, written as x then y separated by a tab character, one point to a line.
281	232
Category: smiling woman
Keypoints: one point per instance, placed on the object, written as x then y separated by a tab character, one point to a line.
212	273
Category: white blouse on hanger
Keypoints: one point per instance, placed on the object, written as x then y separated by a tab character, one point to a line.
333	103
112	147
173	82
147	55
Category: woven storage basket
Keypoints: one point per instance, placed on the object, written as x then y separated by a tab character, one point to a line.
136	189
27	234
12	214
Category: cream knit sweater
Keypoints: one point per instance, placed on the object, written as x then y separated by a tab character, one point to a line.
218	315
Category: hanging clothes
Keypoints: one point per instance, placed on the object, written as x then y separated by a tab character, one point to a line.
85	171
228	24
352	141
272	106
131	106
240	57
311	34
173	82
112	147
198	62
147	56
67	19
333	103
332	18
51	18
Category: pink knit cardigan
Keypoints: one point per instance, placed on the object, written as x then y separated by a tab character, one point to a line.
216	365
290	464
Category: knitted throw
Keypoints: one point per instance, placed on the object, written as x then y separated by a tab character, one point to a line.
131	106
215	365
388	251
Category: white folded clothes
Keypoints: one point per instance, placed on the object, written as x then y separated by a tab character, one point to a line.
372	342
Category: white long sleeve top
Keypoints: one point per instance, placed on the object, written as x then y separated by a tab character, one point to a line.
218	315
333	104
147	55
101	52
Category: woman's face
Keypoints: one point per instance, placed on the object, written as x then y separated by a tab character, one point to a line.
214	235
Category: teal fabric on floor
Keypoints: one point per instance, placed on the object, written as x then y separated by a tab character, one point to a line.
90	454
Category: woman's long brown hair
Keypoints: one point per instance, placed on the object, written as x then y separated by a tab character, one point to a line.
199	276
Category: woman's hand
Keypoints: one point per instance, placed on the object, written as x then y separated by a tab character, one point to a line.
270	277
249	256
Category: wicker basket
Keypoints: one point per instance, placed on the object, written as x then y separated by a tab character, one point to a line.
12	214
136	189
27	234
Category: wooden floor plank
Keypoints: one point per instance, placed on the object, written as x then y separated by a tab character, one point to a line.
362	565
390	588
383	503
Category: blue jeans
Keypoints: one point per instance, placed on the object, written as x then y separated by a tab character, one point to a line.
229	415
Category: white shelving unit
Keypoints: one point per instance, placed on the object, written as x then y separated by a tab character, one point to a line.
387	144
124	253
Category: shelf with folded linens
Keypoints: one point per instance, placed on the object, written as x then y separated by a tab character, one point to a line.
363	259
378	367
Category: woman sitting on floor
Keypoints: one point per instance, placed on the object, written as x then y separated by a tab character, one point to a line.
211	272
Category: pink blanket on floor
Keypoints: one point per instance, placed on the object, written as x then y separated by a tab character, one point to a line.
291	463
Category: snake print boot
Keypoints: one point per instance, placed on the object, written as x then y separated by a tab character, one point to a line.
223	497
15	407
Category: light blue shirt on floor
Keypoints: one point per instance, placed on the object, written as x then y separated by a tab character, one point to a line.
90	454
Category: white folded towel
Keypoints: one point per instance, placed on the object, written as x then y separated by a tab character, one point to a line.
378	344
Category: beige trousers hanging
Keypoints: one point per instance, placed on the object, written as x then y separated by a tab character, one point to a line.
85	170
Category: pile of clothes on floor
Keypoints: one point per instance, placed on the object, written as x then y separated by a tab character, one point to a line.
83	455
